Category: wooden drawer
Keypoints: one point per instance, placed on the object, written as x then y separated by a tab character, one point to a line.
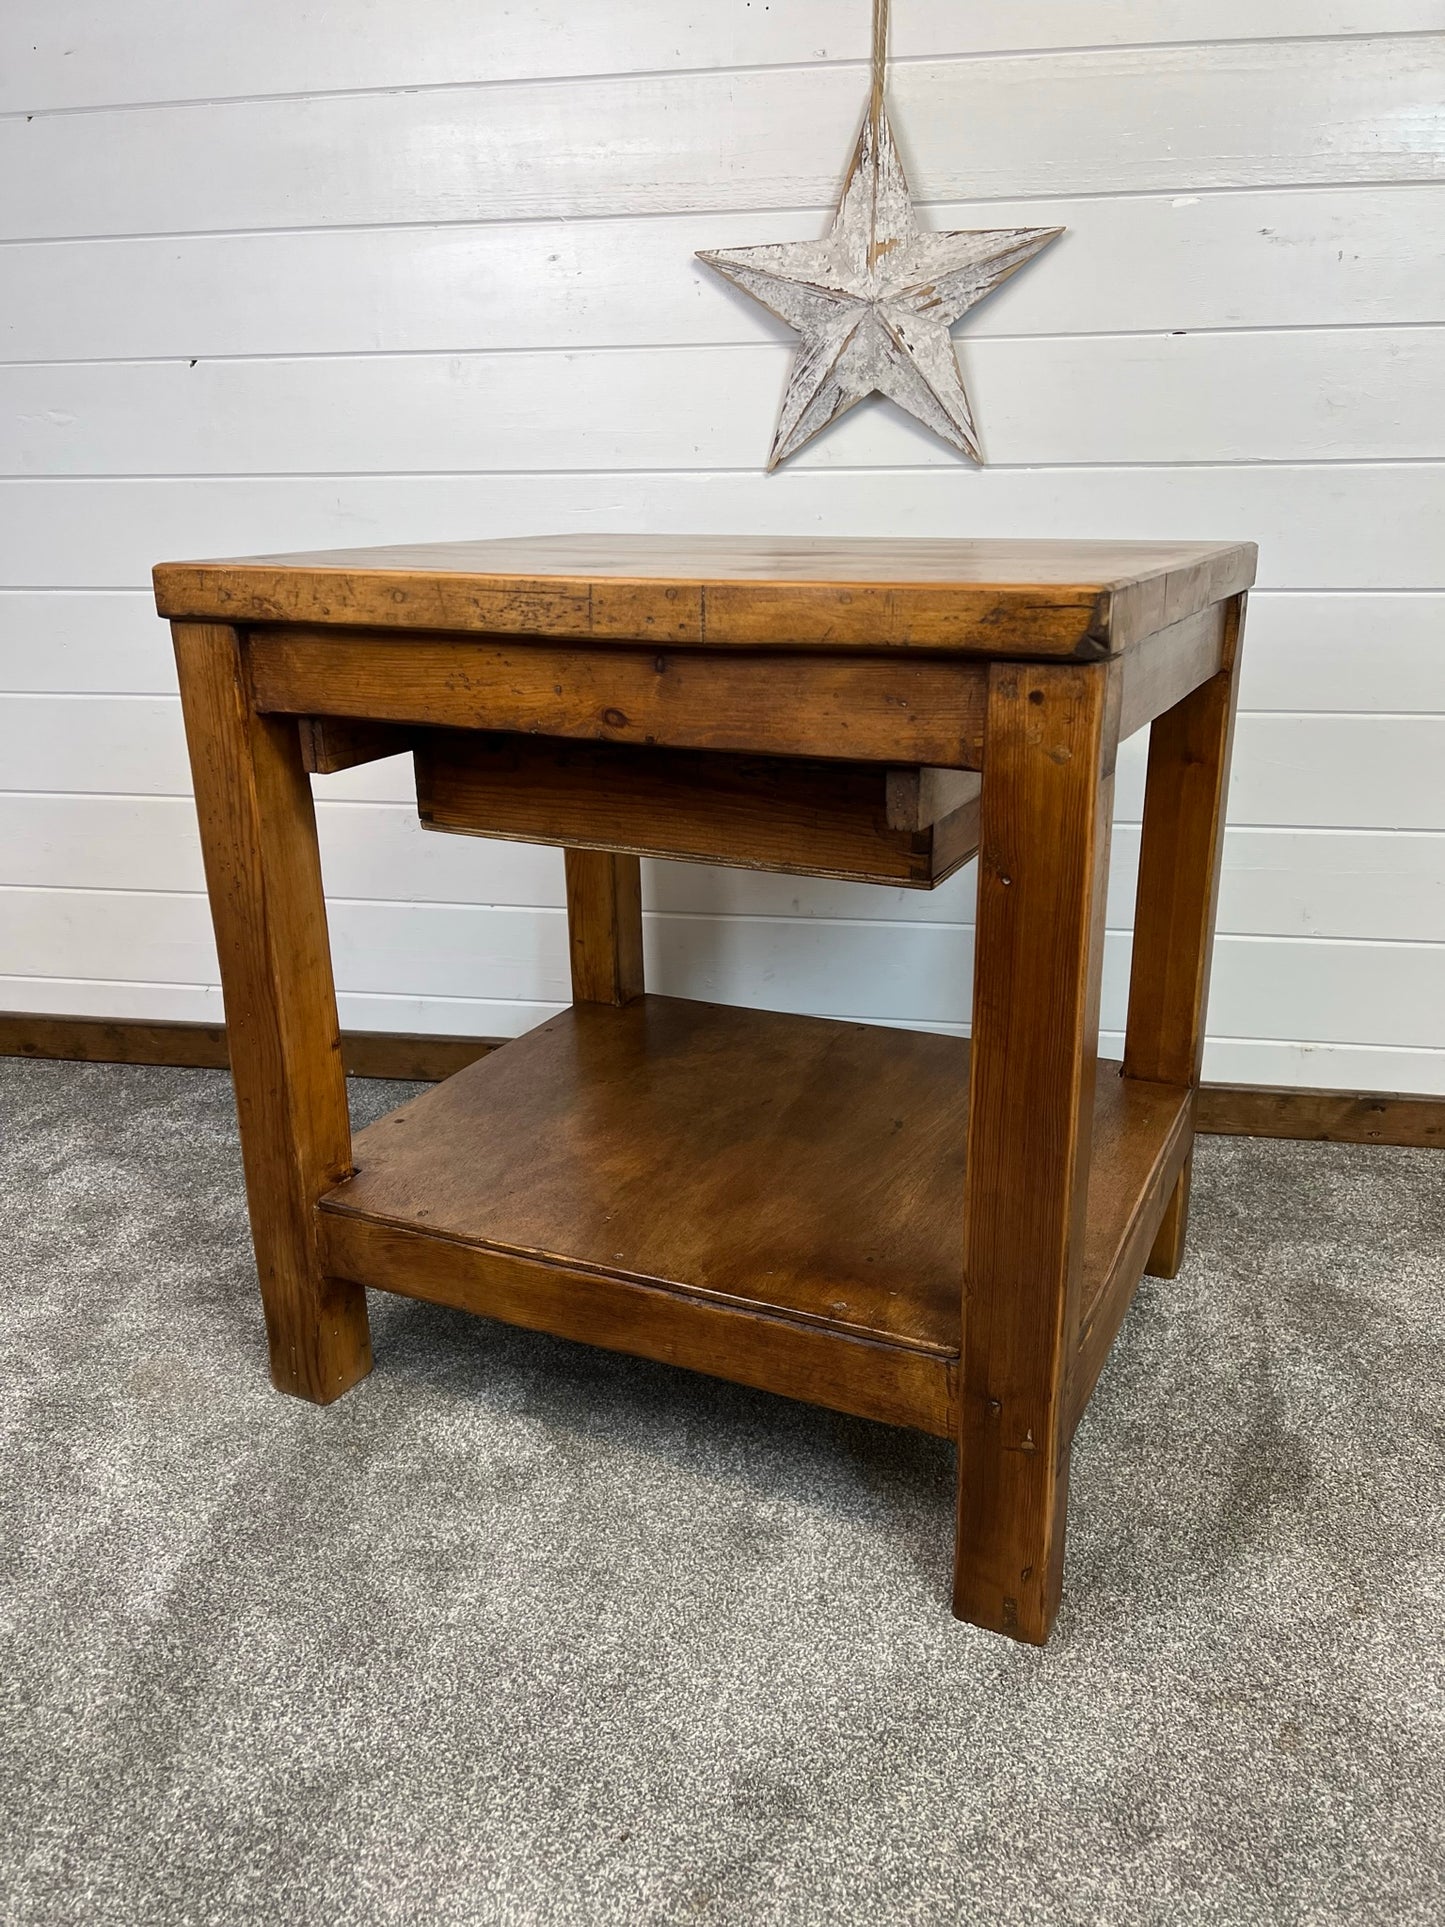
905	827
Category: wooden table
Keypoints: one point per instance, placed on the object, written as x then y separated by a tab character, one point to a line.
895	1224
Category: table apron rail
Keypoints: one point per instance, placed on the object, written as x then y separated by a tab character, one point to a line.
869	709
866	709
894	1384
1164	669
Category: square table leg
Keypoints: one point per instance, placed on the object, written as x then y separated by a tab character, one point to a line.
604	926
1048	780
263	871
1183	836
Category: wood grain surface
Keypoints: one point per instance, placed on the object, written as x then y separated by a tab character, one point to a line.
867	708
1043	877
604	926
987	598
811	1167
258	835
907	827
894	1384
330	744
1178	889
1327	1117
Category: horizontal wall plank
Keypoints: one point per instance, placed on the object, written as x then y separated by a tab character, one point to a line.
412	950
111	641
1336	772
1257	260
1333	883
1355	1067
1345	772
1307	771
201	1004
1238	1060
50	742
1346	883
1352	653
1368	993
68	53
1126	120
112	997
1344	652
1242	396
1330	526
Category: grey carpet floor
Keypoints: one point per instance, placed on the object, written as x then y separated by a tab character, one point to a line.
519	1632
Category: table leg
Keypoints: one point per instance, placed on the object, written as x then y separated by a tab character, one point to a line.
604	926
1048	783
263	872
1183	834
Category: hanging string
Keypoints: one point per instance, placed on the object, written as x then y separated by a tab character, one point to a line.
880	57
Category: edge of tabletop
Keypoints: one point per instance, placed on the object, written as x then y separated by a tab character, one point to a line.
1082	621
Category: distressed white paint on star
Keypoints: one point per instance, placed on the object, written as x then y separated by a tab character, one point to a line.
875	299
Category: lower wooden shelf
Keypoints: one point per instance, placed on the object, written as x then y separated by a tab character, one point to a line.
772	1199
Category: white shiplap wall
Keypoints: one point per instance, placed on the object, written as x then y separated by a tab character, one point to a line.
277	275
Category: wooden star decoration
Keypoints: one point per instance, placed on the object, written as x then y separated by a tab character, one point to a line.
875	299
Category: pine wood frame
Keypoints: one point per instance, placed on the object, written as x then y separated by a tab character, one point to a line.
1054	1238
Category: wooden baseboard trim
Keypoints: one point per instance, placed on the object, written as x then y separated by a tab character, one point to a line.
104	1040
1332	1117
1225	1110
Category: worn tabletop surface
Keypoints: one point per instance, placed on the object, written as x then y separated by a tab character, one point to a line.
1040	598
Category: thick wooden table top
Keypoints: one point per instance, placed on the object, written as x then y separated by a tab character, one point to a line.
982	598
